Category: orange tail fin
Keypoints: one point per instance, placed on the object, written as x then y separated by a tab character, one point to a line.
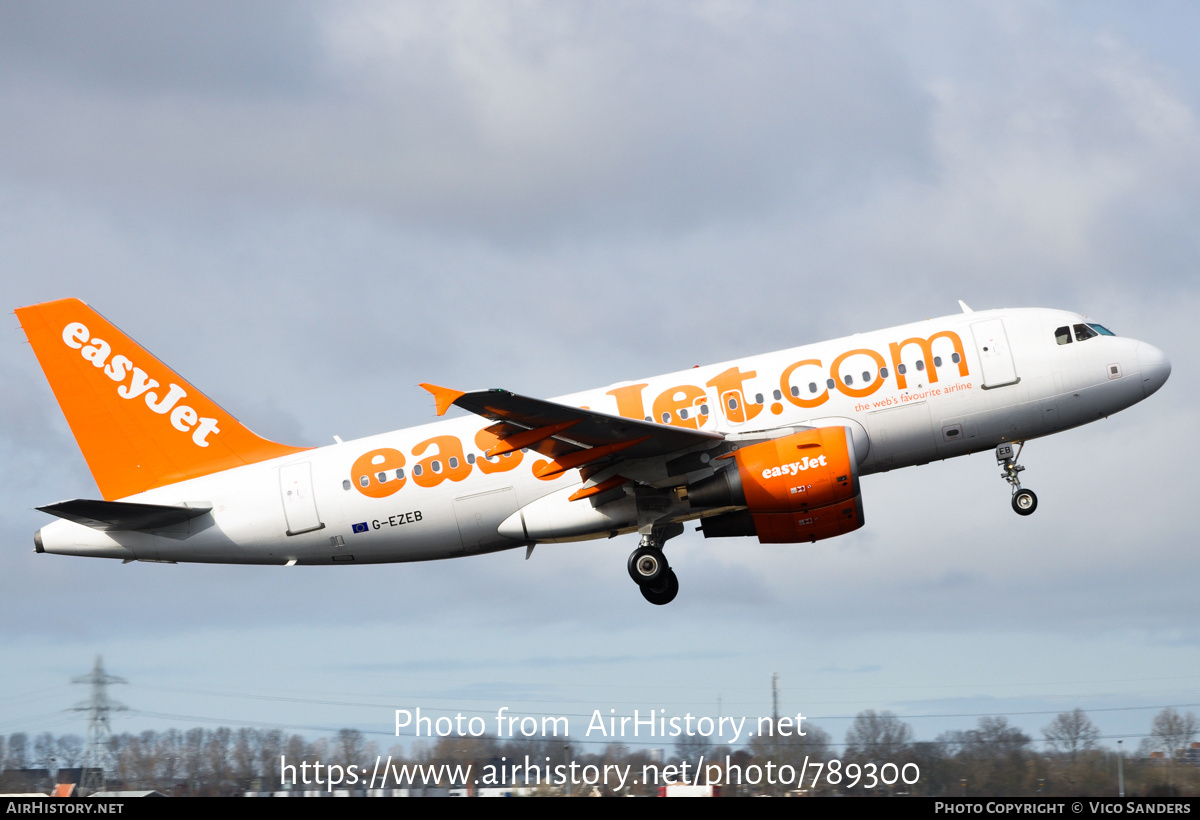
138	423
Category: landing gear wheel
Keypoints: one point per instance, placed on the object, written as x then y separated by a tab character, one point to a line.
648	566
664	592
1024	502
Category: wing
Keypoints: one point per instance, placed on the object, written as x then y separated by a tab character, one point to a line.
571	437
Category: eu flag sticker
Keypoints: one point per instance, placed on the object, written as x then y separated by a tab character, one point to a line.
359	527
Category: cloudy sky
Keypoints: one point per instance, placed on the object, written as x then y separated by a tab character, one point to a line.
307	209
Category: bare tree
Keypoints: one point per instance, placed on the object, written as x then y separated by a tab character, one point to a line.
878	737
168	748
193	759
144	759
992	759
693	749
1171	731
1071	733
350	747
217	757
43	750
1072	737
791	750
70	751
245	756
18	754
270	749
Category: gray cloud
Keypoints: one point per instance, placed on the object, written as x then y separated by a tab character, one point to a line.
554	197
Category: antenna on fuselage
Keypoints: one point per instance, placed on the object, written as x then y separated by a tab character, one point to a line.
965	307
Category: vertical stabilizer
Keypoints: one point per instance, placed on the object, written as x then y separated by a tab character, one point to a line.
137	422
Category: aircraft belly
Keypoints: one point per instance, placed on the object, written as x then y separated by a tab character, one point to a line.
901	436
479	516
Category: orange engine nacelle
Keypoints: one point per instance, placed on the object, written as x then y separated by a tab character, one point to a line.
801	487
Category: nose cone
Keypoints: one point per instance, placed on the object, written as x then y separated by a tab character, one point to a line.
1154	365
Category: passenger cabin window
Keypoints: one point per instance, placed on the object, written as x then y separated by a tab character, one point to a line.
954	357
1063	335
1083	333
346	484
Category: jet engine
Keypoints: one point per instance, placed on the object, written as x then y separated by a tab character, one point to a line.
801	487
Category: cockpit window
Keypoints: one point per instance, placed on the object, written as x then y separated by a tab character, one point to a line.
1063	335
1083	333
1101	329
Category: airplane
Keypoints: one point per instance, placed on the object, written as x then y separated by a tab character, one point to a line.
770	446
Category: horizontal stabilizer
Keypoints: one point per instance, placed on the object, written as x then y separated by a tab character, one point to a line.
122	515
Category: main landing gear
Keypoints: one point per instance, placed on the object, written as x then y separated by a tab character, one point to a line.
1024	502
649	569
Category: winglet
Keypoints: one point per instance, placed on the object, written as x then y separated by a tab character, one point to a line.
444	396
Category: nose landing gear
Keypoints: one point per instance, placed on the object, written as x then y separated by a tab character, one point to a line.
649	569
1024	502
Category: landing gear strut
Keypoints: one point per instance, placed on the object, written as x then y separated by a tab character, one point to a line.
1024	502
649	569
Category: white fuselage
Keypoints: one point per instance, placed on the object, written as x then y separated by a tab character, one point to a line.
910	395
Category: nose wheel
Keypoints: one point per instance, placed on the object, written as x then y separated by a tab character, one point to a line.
1024	502
649	569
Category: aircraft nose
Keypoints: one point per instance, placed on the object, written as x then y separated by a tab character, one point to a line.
1155	367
